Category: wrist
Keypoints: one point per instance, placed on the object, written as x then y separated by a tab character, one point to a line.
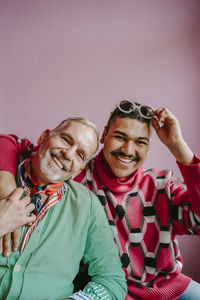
182	153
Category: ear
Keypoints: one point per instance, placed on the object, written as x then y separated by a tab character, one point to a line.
43	136
102	139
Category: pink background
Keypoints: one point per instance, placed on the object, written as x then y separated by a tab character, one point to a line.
79	58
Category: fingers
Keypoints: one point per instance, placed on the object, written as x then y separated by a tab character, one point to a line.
15	239
21	196
29	207
6	244
30	219
155	123
159	115
24	207
163	114
16	194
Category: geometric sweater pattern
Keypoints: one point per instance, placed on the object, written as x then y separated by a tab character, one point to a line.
145	214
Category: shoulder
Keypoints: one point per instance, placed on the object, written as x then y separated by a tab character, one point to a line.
83	194
158	178
158	174
74	185
80	190
8	139
85	203
87	173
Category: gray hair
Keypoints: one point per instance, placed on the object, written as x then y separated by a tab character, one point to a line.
79	120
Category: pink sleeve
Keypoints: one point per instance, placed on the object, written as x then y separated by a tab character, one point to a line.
185	208
191	176
8	153
11	148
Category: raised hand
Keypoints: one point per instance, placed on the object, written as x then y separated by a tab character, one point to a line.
169	132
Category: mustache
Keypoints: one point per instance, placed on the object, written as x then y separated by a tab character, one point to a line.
122	154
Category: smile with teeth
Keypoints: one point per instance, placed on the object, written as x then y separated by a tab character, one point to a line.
58	162
123	159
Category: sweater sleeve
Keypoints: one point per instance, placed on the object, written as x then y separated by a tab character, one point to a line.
8	153
12	149
186	199
101	254
191	176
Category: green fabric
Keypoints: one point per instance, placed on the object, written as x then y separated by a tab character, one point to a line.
76	227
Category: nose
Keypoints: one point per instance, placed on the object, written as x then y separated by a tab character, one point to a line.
70	152
128	148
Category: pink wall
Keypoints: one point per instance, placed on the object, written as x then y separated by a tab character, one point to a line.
68	58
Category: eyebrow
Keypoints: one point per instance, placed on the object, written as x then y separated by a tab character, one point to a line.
125	135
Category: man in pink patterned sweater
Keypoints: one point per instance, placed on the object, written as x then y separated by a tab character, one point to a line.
146	209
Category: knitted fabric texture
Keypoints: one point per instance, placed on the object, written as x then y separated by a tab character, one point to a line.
145	212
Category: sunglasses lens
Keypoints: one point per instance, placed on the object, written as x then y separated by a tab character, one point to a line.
146	111
126	106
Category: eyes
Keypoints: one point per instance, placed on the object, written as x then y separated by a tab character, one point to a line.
70	142
81	156
66	139
139	142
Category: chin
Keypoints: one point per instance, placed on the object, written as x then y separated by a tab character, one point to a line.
120	174
124	173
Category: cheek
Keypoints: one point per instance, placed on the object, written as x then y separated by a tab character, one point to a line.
77	165
113	145
143	153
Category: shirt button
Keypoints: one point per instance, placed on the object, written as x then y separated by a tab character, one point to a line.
17	268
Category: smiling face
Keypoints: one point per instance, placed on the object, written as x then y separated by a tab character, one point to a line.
126	145
64	152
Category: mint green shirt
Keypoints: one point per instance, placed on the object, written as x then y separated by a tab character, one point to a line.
73	229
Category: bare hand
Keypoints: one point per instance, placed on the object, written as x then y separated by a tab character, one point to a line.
168	130
5	242
167	127
14	212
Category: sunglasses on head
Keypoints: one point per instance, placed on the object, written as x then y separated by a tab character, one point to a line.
127	107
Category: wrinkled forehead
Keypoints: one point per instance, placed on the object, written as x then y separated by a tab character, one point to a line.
81	134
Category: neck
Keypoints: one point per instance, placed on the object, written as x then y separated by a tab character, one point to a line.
112	182
35	169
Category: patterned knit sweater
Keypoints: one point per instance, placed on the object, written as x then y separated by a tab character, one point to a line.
146	211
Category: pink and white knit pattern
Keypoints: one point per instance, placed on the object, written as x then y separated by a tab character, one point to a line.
145	212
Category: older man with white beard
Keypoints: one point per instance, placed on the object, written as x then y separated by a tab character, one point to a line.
70	224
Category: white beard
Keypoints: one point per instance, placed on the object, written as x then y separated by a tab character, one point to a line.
50	172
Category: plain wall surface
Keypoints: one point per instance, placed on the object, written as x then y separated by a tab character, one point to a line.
79	58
